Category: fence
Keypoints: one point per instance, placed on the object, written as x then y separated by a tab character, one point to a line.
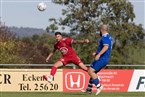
69	65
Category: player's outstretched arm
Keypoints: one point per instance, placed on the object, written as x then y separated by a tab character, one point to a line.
49	56
81	41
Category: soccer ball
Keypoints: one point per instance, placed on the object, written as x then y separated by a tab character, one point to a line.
41	6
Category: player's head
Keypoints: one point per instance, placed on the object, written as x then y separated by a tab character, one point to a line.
58	36
103	29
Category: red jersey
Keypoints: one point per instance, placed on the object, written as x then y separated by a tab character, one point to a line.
65	47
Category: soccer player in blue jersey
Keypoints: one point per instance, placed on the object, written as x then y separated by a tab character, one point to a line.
102	57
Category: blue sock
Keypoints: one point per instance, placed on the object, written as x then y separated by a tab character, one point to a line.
90	85
91	81
96	82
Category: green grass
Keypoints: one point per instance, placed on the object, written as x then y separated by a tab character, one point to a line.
61	94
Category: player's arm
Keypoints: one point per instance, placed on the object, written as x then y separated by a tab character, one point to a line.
104	49
49	56
81	41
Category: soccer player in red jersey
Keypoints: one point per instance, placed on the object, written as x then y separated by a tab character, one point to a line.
64	45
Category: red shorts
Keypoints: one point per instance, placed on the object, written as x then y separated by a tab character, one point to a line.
71	59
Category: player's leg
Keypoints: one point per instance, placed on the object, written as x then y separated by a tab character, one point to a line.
95	80
96	66
94	76
94	69
89	88
53	70
85	68
76	60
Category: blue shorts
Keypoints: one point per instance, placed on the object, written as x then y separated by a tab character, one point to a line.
99	64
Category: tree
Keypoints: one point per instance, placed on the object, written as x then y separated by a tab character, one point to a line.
5	34
84	16
8	47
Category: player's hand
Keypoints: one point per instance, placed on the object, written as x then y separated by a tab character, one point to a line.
47	59
97	57
94	53
86	41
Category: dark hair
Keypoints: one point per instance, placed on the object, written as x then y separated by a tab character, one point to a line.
57	33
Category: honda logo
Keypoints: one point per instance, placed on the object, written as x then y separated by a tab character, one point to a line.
75	80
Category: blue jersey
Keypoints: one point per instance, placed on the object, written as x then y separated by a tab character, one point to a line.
105	40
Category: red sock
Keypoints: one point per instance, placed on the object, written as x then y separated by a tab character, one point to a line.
53	70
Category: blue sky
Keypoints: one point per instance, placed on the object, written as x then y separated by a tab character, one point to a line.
24	13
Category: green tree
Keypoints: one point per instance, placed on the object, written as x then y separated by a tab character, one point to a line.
85	16
35	49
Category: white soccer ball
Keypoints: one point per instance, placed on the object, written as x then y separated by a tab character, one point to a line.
41	6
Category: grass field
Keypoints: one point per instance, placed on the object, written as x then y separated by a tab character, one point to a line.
60	94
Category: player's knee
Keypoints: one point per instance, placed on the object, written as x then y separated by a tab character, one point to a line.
58	64
81	64
90	71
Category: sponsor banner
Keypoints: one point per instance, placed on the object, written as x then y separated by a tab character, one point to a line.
74	80
70	80
112	80
137	83
29	80
115	80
